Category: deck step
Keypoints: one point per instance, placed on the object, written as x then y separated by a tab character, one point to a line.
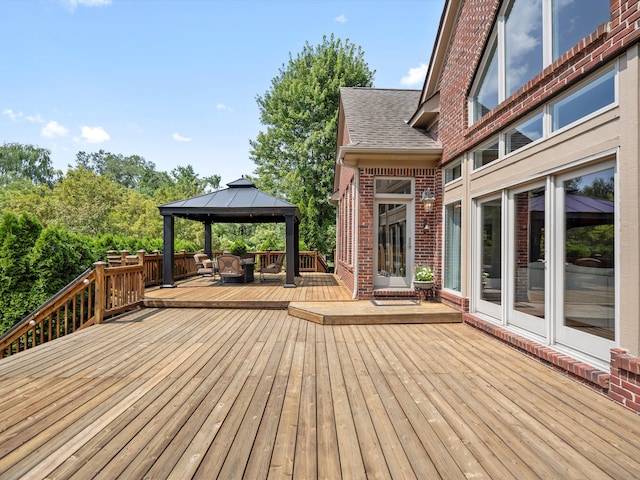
374	312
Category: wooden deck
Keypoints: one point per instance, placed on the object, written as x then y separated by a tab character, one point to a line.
318	297
214	393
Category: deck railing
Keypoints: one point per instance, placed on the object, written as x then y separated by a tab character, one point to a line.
310	260
107	291
93	296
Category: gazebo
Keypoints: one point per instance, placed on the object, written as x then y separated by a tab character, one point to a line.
242	202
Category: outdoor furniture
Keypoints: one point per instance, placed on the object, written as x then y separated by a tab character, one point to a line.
275	267
204	265
230	268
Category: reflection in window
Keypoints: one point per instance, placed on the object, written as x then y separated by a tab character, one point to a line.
485	155
487	93
524	134
575	19
523	31
589	286
453	172
392	234
491	260
528	34
529	252
452	247
592	97
393	185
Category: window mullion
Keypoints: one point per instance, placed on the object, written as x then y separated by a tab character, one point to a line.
502	60
547	32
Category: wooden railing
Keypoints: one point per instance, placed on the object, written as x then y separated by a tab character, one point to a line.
93	296
310	261
107	291
183	264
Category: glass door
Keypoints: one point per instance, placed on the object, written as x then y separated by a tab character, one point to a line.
488	274
392	267
586	311
527	260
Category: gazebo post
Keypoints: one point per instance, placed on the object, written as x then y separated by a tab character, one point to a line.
296	247
167	254
207	238
291	248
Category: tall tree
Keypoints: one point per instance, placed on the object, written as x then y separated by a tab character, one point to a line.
295	155
26	163
131	172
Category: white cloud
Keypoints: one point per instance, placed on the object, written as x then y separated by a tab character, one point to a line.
341	18
35	119
94	134
54	129
416	75
222	106
72	4
10	113
179	138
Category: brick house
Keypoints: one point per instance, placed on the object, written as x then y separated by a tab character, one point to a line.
526	136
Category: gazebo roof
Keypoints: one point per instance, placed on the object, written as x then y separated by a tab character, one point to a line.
241	202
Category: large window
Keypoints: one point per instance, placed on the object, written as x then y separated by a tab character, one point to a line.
523	43
486	97
486	154
526	40
452	247
523	134
590	98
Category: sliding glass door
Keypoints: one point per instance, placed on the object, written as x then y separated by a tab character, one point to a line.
527	259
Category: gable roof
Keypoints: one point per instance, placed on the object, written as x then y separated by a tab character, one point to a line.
241	202
377	118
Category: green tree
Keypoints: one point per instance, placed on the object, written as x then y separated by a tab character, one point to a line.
26	163
295	155
131	172
18	235
55	260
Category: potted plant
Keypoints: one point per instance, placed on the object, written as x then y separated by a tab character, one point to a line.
423	278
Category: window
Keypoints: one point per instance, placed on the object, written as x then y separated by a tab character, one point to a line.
573	21
592	97
485	155
487	94
523	134
526	40
393	185
452	247
523	43
453	172
587	99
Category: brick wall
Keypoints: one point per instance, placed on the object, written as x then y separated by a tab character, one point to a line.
625	379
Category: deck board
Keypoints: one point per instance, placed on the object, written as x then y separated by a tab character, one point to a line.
214	393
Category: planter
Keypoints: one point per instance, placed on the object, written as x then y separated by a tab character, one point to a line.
423	284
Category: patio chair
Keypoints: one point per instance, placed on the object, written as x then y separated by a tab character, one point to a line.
274	268
205	266
229	266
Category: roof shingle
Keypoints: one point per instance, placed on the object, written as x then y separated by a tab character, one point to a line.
377	118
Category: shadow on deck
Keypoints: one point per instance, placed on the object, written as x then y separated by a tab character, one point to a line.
318	297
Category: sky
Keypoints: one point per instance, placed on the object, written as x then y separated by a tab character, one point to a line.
176	81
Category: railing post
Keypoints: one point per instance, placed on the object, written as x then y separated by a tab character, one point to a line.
100	299
123	257
143	276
